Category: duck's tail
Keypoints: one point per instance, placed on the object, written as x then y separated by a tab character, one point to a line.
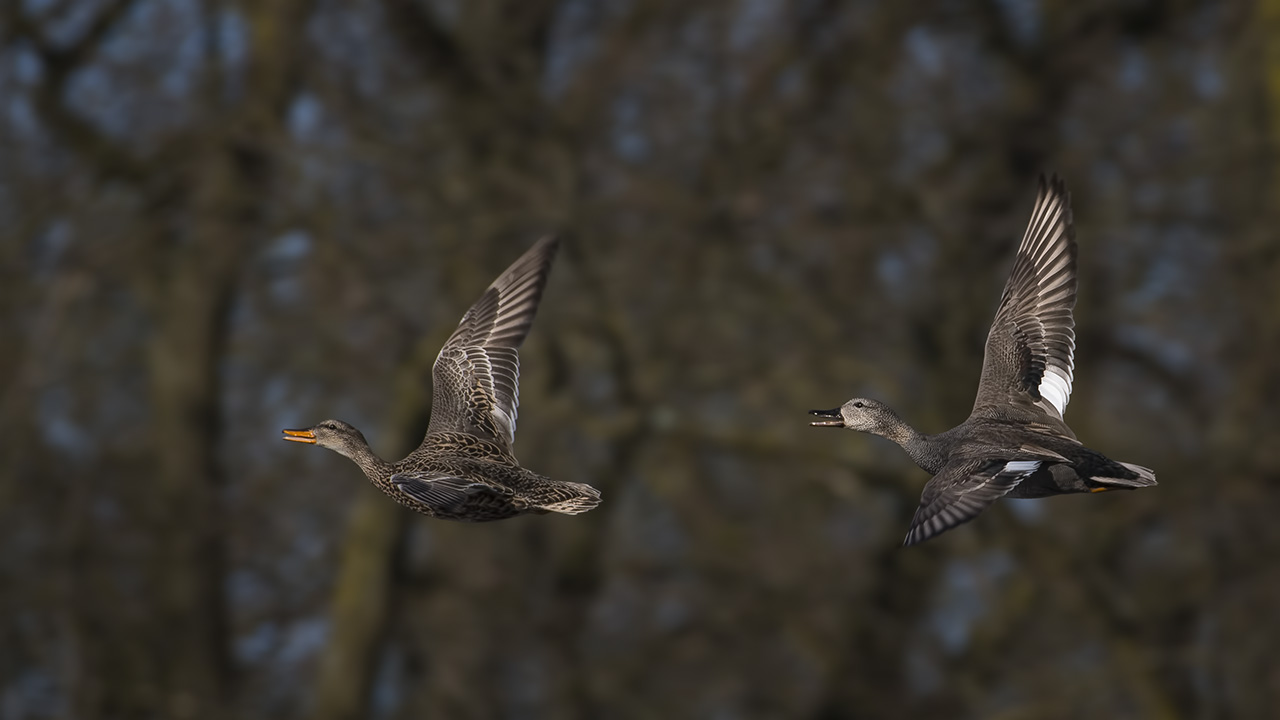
569	498
1138	477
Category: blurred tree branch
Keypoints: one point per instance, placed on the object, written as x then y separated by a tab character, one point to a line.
107	157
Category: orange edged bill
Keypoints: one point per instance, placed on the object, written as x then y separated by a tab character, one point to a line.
302	436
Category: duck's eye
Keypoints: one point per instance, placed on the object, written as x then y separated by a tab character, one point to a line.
857	404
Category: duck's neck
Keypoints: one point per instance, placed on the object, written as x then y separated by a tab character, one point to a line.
918	445
361	454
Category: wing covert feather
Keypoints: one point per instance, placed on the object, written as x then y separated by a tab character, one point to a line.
477	373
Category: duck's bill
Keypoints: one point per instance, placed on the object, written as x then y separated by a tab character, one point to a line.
838	420
302	436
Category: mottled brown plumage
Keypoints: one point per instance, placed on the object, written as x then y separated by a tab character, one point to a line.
1015	442
464	469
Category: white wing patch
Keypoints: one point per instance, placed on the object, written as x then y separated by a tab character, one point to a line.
1032	338
1022	467
1055	387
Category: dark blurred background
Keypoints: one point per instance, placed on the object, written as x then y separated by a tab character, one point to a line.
220	219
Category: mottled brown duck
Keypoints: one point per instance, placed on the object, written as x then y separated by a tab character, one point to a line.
1015	442
465	469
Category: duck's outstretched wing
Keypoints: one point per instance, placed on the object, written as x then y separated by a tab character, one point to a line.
477	373
962	490
1030	350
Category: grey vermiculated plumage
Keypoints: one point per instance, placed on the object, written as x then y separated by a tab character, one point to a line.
1015	442
465	469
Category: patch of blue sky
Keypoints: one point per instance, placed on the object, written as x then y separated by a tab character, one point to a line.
753	21
1134	69
170	38
94	95
1206	76
303	639
27	68
387	694
245	588
280	404
258	644
283	257
924	50
628	141
348	35
144	32
69	23
33	692
964	597
38	7
573	41
1175	269
305	117
891	268
49	248
22	116
292	246
183	70
232	39
1175	353
54	416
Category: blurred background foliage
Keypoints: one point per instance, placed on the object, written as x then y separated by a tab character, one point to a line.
225	217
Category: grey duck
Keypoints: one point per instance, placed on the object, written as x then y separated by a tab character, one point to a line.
1015	442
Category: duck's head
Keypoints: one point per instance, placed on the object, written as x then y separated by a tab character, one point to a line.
861	414
332	434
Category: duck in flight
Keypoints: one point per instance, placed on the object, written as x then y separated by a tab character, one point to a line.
1015	442
464	469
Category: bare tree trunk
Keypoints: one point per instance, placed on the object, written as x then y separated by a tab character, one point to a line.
360	608
188	483
227	184
364	590
192	309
